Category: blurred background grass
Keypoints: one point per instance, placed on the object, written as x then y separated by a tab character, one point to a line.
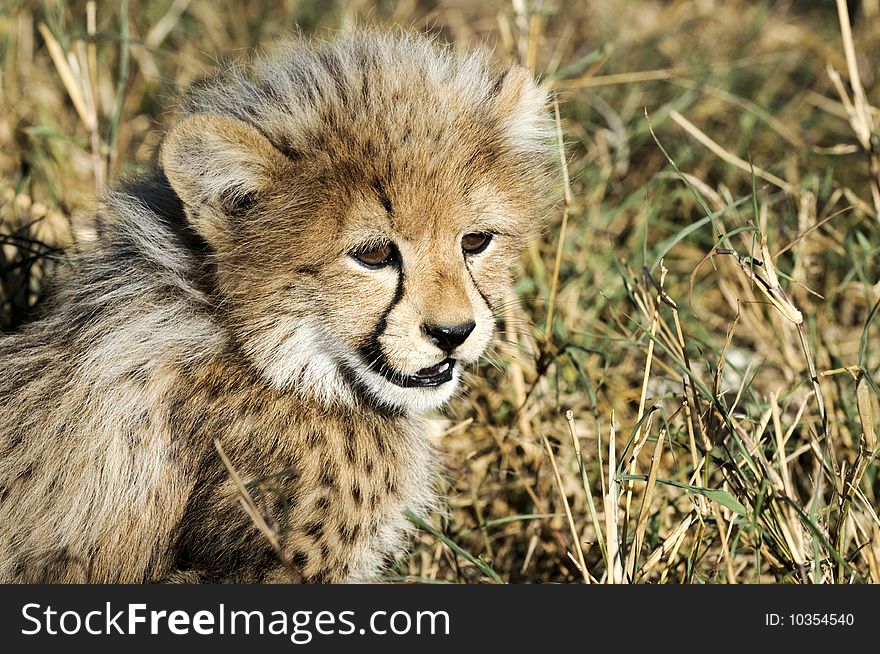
686	389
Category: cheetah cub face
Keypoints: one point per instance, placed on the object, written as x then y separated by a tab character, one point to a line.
365	203
434	281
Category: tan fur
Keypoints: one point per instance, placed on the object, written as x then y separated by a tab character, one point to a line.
220	299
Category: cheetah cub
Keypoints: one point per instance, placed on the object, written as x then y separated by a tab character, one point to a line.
315	259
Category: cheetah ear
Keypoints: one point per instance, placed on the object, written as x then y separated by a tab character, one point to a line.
521	107
218	166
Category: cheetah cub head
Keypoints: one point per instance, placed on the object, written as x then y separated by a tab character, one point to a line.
364	201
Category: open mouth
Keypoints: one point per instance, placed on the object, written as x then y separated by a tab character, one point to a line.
426	377
429	377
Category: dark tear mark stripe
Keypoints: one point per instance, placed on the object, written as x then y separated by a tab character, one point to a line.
372	351
476	286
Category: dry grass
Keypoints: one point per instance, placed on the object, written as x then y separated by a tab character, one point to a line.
686	390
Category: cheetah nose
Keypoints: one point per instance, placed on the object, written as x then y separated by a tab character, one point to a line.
449	337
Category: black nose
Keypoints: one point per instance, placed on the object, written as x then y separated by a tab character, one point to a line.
449	337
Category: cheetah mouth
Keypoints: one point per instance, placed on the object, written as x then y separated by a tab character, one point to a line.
426	377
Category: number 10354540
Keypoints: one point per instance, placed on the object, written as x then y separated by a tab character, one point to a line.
809	620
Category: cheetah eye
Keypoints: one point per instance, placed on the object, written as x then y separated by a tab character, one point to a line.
475	243
376	256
